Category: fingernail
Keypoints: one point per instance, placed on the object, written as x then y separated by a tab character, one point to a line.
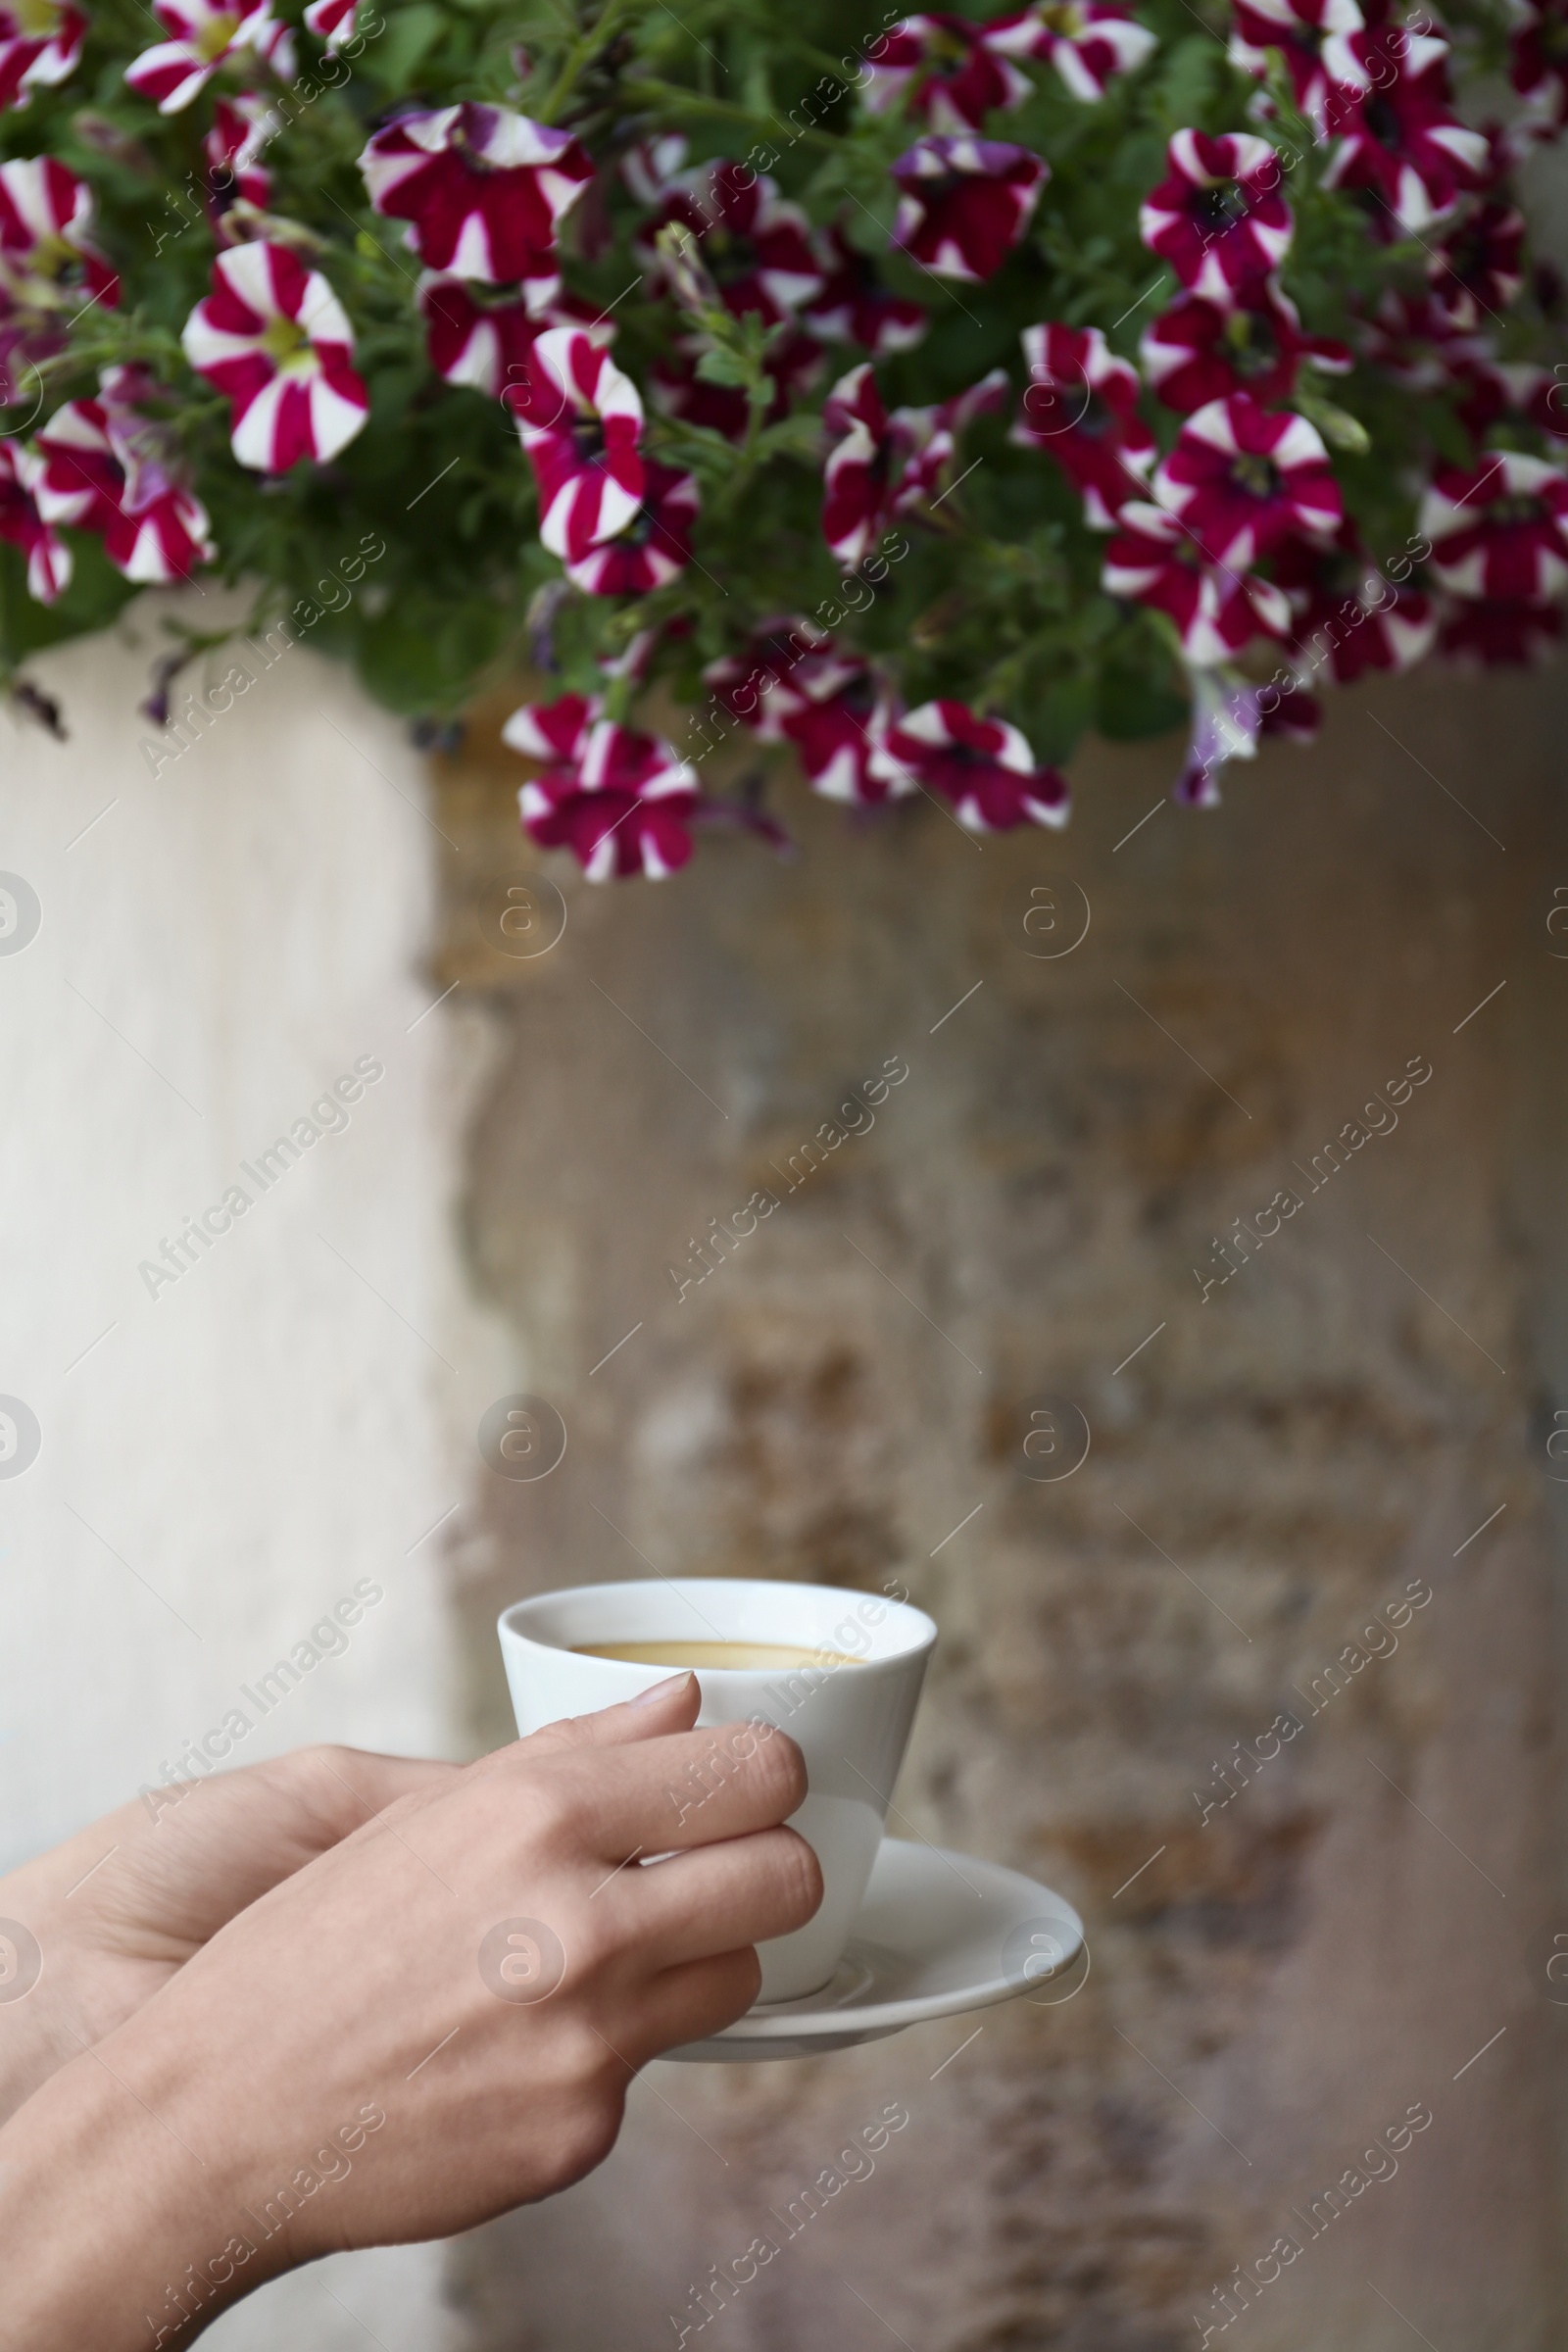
664	1689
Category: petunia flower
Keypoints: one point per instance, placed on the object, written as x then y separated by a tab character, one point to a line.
50	272
483	335
580	421
1414	340
1494	391
1500	529
791	365
1216	610
836	725
22	526
243	128
483	188
1477	266
1218	217
1312	37
153	529
853	305
1399	137
945	70
762	686
40	46
205	35
1538	61
331	21
984	766
1198	351
620	800
1240	479
655	546
274	336
755	245
1087	41
964	203
1500	633
1081	404
1346	615
880	466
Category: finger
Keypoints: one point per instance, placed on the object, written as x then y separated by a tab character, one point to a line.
695	1906
669	1706
689	2002
690	1789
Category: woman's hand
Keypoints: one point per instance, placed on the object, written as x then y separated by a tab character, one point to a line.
430	2022
107	1918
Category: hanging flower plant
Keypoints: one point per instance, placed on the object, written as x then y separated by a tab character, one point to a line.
886	420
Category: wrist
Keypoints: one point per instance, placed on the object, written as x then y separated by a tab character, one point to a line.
46	2012
150	2239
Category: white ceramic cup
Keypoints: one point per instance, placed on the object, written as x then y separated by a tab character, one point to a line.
852	1722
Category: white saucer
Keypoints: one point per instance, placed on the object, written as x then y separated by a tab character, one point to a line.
937	1934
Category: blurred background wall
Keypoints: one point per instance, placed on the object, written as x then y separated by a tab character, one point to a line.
1363	1405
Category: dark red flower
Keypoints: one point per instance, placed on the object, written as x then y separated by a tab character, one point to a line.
50	271
1216	612
983	766
947	70
1499	530
1087	41
966	203
580	421
789	663
1241	478
1493	633
1537	60
620	802
1417	343
655	546
1218	217
792	363
1346	615
1477	266
881	466
1198	351
40	46
481	187
1312	37
1081	404
91	476
1399	137
836	724
22	526
855	307
756	246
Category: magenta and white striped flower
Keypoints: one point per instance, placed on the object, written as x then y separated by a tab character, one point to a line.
274	336
1350	616
768	684
1218	217
243	128
840	716
581	424
1500	529
964	203
1087	41
1241	478
855	307
1081	404
205	35
948	70
755	246
153	530
620	800
880	466
1216	610
1314	38
484	335
1484	633
983	766
331	21
22	526
655	547
1400	137
48	261
1198	351
40	46
483	188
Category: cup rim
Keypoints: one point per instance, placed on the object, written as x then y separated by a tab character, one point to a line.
922	1629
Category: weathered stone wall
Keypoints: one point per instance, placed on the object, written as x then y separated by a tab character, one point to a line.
1273	1985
